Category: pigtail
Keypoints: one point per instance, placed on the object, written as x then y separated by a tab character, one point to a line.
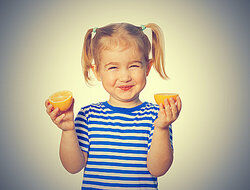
87	55
158	49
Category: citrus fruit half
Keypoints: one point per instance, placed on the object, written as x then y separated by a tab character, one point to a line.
61	99
160	97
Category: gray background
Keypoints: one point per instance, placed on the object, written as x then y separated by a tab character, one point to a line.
207	59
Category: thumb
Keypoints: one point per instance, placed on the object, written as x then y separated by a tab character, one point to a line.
72	104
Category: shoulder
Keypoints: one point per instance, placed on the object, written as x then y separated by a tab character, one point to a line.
86	111
94	107
150	110
151	107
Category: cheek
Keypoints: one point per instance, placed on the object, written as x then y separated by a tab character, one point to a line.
140	76
108	79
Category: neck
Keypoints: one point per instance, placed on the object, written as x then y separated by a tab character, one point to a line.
125	104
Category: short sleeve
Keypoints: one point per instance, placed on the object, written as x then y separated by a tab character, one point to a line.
152	132
81	127
171	136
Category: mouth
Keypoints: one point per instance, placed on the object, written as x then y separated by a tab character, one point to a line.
126	88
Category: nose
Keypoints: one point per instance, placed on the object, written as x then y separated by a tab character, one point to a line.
125	75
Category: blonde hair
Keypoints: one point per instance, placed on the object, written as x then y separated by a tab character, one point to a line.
124	34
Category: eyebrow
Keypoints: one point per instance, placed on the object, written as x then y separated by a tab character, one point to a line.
115	63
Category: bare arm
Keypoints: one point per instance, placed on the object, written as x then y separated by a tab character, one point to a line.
160	155
71	156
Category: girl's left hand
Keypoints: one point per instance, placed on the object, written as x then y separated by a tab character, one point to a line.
168	113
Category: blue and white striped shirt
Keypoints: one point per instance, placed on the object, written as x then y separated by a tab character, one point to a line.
117	141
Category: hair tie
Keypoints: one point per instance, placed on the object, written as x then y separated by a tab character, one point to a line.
94	30
143	27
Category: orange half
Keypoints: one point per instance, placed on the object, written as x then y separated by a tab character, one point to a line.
160	97
62	100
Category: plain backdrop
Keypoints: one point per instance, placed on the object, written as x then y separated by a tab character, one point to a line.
207	60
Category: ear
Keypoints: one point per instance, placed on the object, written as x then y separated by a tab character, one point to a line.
150	64
94	69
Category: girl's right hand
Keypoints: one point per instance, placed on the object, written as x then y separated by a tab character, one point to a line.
63	120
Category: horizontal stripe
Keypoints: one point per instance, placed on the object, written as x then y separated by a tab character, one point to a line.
120	174
82	138
170	129
97	187
80	119
119	178
124	181
111	117
149	117
117	161
146	128
118	150
90	188
83	145
116	164
119	124
120	140
118	130
117	141
119	147
136	176
80	131
117	171
117	137
108	112
118	154
119	184
118	144
118	157
125	169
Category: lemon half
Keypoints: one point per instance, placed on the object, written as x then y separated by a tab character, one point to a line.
61	99
160	97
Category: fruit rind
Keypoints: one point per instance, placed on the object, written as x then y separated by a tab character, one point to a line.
160	97
64	104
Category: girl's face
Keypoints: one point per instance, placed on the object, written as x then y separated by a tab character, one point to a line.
123	75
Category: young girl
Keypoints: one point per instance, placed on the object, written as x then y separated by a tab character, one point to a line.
122	143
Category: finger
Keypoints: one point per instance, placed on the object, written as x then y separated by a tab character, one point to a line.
47	103
49	108
161	106
59	119
166	103
173	108
54	113
162	110
179	104
167	108
72	105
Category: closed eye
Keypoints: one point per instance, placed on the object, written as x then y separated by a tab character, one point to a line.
134	66
111	68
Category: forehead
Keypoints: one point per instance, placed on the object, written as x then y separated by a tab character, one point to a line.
120	55
119	50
